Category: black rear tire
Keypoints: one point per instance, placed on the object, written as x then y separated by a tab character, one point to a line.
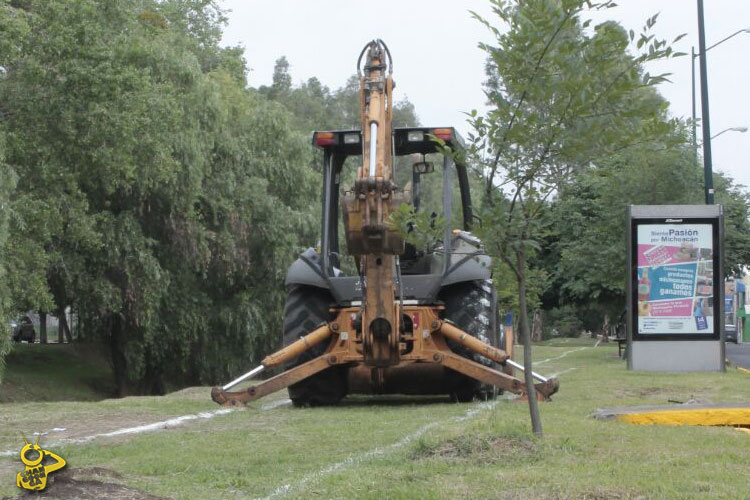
470	305
307	308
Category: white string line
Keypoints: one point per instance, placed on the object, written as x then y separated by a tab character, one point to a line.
556	375
561	355
155	426
375	452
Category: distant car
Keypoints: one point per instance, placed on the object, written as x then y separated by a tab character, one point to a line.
24	331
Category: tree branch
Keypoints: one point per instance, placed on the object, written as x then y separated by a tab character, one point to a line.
493	168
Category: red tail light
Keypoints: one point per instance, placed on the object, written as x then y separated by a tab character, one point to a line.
325	139
445	134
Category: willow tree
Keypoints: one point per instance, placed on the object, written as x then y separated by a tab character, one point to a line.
162	197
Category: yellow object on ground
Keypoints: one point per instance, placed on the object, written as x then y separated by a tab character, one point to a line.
743	370
691	413
697	416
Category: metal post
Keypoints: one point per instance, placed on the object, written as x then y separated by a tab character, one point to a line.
447	210
692	80
415	185
326	219
705	118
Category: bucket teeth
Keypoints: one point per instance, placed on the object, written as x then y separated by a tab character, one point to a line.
548	388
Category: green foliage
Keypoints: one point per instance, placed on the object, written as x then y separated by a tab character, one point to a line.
156	195
590	215
591	212
7	184
316	107
564	321
562	99
736	202
421	229
14	27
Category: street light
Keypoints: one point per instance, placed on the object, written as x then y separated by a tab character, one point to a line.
708	175
730	129
692	61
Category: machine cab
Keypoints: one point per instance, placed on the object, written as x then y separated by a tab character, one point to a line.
419	167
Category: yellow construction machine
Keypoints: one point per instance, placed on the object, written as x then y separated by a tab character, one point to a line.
408	320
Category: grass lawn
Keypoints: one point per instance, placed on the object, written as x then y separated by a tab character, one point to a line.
415	448
56	372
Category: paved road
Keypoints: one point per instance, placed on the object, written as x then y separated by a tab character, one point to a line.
739	354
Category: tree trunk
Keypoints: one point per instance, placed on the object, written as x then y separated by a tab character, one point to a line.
536	336
605	329
119	363
42	327
523	323
60	332
64	329
153	383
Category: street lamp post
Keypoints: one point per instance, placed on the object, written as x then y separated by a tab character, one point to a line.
730	129
693	56
707	163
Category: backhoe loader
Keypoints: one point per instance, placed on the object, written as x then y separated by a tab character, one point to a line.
404	320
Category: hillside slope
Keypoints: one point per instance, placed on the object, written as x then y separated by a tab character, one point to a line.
56	372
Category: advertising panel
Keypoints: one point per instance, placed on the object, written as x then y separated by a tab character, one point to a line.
675	288
675	279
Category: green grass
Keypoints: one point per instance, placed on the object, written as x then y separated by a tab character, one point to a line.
423	448
56	372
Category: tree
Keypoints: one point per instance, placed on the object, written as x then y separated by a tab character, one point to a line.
13	26
560	98
282	80
316	107
736	202
157	196
590	214
7	184
594	208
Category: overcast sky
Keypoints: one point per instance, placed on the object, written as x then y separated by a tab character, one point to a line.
438	66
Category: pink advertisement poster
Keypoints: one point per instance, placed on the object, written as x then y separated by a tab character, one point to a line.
675	278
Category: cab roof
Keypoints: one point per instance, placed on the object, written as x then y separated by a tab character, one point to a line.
407	140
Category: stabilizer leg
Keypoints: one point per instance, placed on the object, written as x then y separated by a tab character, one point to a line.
478	371
273	384
544	390
221	396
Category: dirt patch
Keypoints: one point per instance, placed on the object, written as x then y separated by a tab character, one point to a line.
607	494
89	483
486	449
644	392
596	494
